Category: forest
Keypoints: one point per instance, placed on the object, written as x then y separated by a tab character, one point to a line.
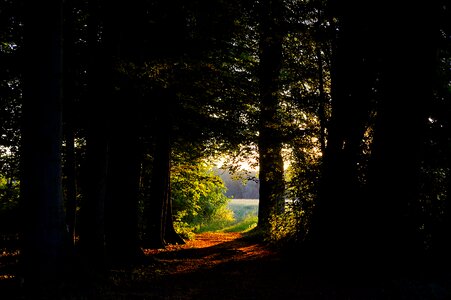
113	115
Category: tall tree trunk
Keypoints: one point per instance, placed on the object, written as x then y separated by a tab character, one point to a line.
321	89
170	235
155	208
121	208
92	227
158	209
71	185
68	118
339	207
41	184
271	172
406	89
441	242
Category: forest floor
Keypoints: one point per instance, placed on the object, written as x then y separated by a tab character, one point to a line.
218	266
232	266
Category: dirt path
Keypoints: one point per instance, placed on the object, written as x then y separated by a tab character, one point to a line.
213	266
207	251
217	266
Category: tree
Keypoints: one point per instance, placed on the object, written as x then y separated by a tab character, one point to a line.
69	118
11	47
45	248
121	206
339	206
158	210
369	199
400	131
269	141
95	170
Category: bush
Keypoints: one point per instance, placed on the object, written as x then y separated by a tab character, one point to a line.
199	199
223	217
9	205
288	227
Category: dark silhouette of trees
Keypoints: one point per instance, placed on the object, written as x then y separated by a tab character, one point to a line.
69	126
355	95
269	139
406	91
45	240
369	202
158	209
94	179
352	79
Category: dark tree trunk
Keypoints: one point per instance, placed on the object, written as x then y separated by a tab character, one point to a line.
68	118
121	208
45	239
339	207
406	89
321	89
158	209
71	185
271	176
92	227
441	239
322	102
170	235
157	202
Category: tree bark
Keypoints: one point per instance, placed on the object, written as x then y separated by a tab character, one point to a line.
69	118
170	235
321	90
121	208
271	172
92	226
44	250
340	207
406	89
158	209
159	190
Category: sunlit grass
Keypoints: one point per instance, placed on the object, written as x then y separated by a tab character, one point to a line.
247	224
245	217
243	207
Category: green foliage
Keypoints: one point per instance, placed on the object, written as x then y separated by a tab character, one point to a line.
185	230
200	204
246	224
222	218
9	194
198	197
289	226
9	204
244	218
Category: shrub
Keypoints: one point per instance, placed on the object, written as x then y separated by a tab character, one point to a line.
199	199
289	226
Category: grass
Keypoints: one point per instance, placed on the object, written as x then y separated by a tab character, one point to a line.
242	208
245	214
245	225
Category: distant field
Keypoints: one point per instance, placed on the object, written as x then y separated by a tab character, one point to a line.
252	202
243	208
